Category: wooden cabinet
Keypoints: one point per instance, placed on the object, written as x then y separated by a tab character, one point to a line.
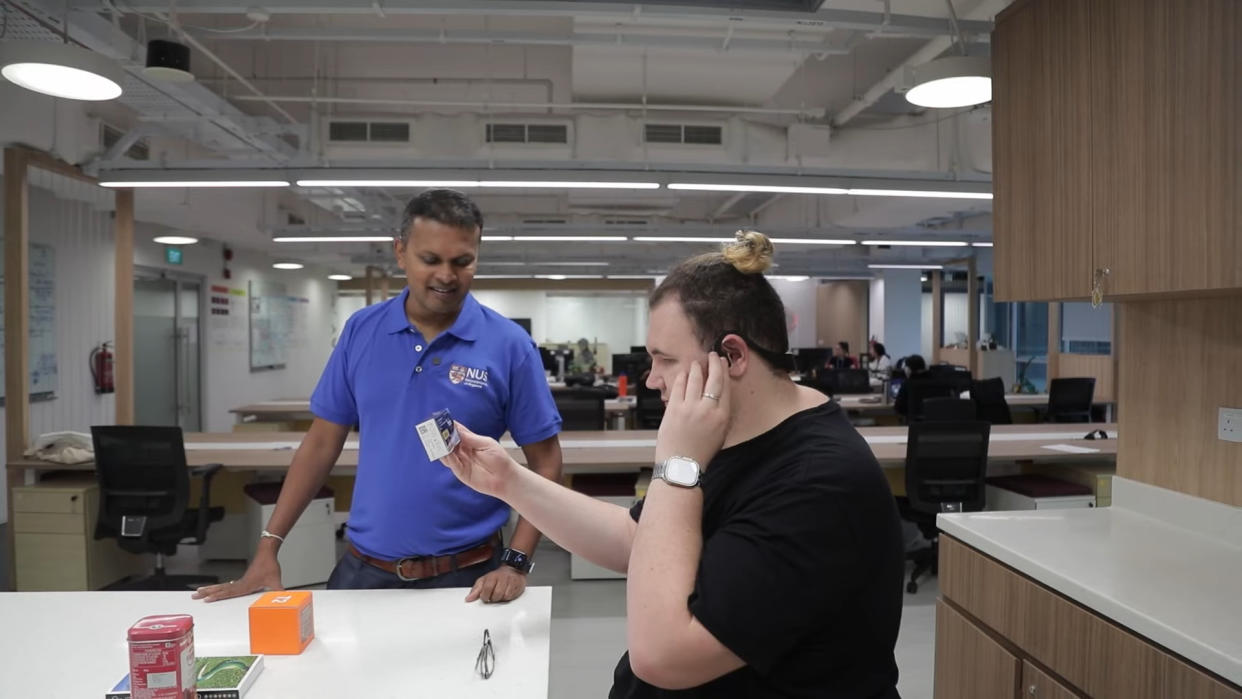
1041	164
54	543
969	664
1084	654
1116	138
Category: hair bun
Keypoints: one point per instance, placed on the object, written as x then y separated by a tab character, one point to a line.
750	253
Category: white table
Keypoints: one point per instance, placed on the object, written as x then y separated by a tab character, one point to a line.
368	643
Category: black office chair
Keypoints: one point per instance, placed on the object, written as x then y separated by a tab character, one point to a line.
1069	400
946	463
945	409
990	403
580	408
851	381
144	492
923	387
648	407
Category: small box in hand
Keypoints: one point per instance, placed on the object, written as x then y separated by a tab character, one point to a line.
282	623
439	435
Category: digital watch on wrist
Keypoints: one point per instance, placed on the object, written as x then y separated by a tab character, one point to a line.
516	559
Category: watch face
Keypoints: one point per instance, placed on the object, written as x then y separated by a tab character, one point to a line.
682	471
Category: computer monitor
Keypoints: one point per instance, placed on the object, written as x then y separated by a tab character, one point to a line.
638	349
808	359
549	362
632	364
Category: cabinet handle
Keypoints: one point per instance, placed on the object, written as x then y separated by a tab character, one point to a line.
73	498
1097	285
1031	690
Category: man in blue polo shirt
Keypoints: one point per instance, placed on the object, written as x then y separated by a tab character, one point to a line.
412	523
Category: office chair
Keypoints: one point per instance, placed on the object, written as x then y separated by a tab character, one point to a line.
925	386
990	403
946	463
144	492
851	381
580	408
1069	400
945	409
648	408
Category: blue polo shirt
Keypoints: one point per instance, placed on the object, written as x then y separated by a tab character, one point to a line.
385	377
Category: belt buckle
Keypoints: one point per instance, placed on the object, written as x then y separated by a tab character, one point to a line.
397	569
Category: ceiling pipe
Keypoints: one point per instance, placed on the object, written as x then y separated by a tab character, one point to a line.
489	104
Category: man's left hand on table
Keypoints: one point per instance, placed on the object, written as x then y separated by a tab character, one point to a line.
501	585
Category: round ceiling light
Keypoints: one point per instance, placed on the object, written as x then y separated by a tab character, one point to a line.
959	81
339	277
60	70
168	61
287	265
175	240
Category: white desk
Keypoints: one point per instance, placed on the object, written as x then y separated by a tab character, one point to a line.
368	643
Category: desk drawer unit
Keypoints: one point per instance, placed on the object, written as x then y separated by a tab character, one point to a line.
1087	654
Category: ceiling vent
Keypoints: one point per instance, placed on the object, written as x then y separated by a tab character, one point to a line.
369	131
686	134
527	133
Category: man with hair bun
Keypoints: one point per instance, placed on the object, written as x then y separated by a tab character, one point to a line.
767	558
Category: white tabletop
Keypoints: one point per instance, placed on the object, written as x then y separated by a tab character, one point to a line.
368	643
1174	585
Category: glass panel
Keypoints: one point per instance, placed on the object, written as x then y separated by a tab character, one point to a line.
1031	344
1086	330
155	385
188	364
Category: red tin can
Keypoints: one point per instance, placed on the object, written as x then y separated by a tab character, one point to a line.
161	657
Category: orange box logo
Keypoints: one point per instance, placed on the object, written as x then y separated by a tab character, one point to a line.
282	623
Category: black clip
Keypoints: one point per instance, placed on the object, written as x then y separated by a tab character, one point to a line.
1096	434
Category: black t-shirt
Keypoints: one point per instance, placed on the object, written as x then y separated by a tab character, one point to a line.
801	568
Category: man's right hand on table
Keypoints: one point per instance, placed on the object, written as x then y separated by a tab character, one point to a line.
262	574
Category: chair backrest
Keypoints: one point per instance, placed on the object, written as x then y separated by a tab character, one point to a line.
990	403
946	463
142	473
924	386
581	409
648	407
948	409
1069	400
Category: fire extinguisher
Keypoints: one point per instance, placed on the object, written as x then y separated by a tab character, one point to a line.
101	368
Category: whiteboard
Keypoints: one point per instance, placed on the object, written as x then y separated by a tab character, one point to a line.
44	372
271	322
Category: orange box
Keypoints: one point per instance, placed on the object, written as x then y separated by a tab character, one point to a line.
281	623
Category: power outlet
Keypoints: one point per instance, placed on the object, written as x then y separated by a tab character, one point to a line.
1229	425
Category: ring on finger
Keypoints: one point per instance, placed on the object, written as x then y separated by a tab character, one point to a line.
713	396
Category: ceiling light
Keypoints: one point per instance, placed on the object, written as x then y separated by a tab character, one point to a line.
560	277
776	189
812	241
957	81
334	239
792	277
631	276
571	264
495	238
905	266
60	70
168	61
287	265
923	193
339	277
502	276
554	277
175	240
923	278
982	245
194	183
459	184
918	243
569	238
658	239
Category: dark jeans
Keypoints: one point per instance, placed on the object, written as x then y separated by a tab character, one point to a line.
351	573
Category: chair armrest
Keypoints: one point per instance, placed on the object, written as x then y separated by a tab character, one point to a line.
204	501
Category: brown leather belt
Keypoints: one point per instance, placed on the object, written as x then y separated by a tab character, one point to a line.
421	567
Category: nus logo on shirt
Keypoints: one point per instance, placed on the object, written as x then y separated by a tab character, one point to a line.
474	378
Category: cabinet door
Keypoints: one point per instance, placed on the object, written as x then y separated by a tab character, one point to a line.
969	664
1166	93
1036	684
1041	152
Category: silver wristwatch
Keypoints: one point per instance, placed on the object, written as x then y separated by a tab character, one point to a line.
678	470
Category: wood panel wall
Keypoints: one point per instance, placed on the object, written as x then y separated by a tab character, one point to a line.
841	314
1102	367
1181	361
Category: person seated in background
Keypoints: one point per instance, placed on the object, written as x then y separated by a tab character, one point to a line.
915	366
842	359
881	363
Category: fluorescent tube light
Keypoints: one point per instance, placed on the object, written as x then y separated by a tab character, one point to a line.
560	277
918	243
660	239
569	264
923	193
175	240
495	238
453	184
982	245
776	189
462	184
287	265
197	184
905	266
792	277
334	239
569	238
339	277
813	241
631	276
544	184
502	276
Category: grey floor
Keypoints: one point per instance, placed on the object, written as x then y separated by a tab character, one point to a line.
588	625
